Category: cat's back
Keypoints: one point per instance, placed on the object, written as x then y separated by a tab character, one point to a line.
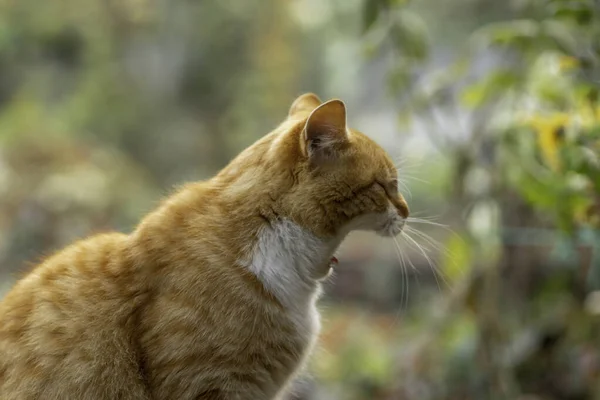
72	308
84	274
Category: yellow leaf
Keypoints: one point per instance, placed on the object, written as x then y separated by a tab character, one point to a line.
566	63
457	259
547	127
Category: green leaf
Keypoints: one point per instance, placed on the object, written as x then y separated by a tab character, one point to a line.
514	32
581	12
493	86
399	79
370	13
410	35
560	37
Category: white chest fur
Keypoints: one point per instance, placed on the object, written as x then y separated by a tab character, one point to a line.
288	260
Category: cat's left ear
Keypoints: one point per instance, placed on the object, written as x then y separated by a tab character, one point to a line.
325	132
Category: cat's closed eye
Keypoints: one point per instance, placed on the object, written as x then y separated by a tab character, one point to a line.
393	184
390	186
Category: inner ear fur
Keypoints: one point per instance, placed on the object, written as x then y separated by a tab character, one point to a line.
325	130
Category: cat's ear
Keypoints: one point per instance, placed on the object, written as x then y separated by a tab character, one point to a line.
325	130
305	103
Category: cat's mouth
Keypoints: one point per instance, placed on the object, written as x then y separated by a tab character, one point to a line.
391	223
333	262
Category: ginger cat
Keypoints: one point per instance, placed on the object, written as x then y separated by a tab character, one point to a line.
213	295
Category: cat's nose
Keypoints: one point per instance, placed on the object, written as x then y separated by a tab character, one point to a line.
402	207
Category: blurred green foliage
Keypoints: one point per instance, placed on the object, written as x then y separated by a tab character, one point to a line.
525	167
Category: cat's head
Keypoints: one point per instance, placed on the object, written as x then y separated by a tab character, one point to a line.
323	175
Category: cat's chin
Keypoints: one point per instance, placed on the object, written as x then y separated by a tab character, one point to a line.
391	228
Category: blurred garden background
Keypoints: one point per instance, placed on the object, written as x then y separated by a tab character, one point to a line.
492	108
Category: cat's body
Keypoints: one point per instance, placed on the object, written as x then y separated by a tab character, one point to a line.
213	295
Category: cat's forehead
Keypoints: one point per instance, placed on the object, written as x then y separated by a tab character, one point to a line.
371	150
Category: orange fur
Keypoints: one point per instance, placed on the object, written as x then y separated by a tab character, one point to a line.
180	308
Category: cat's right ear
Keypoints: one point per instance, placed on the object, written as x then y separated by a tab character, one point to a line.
305	103
325	132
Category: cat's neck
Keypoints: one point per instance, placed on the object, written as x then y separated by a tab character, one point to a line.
290	262
286	258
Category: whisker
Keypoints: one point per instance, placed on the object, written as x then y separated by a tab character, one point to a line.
431	241
406	288
404	274
414	220
405	186
407	258
414	178
429	218
433	269
424	251
406	168
404	164
405	172
402	278
398	312
425	221
435	244
422	213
